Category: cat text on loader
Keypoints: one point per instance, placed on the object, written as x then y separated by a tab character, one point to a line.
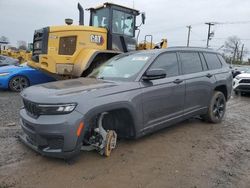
74	50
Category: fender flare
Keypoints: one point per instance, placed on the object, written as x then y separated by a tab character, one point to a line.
113	106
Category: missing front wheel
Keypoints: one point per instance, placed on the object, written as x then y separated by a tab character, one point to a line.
104	141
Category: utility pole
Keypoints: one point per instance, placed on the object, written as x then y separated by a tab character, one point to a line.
189	30
210	34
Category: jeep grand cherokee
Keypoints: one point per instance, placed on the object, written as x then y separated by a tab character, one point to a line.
129	96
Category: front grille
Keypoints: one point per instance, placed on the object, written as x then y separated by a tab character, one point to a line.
244	87
31	108
245	81
55	143
40	43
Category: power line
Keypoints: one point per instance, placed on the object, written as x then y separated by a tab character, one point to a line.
227	38
200	24
237	22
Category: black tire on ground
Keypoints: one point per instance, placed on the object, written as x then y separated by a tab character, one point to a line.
217	108
18	83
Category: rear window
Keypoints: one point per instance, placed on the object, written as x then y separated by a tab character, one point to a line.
222	60
212	60
67	45
191	62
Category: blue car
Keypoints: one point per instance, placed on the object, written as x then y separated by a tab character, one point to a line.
16	78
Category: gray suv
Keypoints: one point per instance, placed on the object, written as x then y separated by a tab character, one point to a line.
129	96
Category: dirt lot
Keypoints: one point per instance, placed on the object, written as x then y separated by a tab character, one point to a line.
190	154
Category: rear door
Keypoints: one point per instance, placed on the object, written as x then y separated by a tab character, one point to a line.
163	99
199	82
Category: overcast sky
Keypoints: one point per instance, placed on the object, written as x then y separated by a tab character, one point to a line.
164	18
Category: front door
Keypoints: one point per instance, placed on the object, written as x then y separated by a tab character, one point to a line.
163	99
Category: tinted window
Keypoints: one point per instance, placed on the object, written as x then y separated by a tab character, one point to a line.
213	61
191	62
222	60
204	64
168	62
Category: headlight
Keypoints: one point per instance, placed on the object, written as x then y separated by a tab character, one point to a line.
4	73
54	109
237	77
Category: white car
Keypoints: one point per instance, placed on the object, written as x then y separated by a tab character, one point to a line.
241	82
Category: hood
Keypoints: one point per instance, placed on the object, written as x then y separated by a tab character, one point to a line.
244	75
12	68
73	90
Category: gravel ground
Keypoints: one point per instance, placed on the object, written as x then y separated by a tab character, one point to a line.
191	154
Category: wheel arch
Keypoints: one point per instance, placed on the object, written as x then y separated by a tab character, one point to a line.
18	74
222	88
126	115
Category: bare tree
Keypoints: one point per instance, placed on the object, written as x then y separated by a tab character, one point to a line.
4	39
233	49
22	45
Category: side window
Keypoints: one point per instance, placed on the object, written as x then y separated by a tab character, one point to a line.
100	18
168	62
191	62
203	61
222	60
212	60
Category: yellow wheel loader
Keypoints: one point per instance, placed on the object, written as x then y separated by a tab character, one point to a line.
75	50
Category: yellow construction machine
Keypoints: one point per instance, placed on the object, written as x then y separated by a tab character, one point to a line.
74	50
148	44
21	55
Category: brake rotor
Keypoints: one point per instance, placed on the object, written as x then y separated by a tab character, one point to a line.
110	142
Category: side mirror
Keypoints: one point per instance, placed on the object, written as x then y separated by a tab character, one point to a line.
154	74
143	17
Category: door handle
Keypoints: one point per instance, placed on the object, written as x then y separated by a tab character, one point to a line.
209	75
177	81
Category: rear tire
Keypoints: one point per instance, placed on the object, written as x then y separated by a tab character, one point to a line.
18	83
217	108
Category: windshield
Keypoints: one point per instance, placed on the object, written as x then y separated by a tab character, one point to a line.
247	71
123	67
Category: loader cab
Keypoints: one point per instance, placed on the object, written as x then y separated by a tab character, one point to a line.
120	23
